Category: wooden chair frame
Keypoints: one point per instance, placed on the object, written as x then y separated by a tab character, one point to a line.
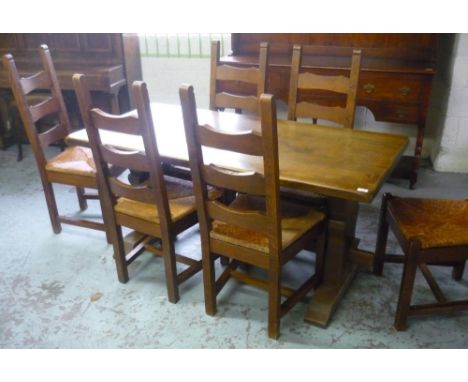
30	115
269	223
337	84
152	191
417	257
255	76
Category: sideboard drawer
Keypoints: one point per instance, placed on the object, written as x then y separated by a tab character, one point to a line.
396	113
385	89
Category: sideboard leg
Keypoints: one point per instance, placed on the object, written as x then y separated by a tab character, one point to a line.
417	154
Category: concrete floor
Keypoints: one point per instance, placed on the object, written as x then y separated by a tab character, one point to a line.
61	291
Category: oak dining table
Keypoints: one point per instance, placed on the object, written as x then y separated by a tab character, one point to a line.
347	166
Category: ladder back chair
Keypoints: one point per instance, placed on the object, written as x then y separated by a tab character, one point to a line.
230	75
160	208
74	165
255	228
305	81
430	232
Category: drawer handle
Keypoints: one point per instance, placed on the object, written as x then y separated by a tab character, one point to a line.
369	88
404	90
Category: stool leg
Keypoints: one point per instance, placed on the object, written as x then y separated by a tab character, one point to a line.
382	235
457	273
406	287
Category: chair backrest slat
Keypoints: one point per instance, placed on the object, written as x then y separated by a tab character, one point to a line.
245	142
245	182
307	81
127	124
255	76
51	135
140	193
266	220
233	73
125	159
44	108
329	113
253	220
338	84
227	100
40	80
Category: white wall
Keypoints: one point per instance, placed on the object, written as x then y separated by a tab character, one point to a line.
451	150
164	76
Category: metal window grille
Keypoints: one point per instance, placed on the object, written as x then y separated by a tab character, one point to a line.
188	45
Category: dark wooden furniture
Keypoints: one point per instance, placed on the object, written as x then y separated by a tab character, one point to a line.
347	165
109	60
301	82
252	229
430	232
74	166
395	80
161	207
254	77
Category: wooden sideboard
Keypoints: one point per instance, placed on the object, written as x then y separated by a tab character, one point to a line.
395	79
110	61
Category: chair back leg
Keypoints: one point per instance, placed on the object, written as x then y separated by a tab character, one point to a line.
119	252
209	284
170	270
52	207
274	301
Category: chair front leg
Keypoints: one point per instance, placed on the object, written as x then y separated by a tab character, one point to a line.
407	284
170	269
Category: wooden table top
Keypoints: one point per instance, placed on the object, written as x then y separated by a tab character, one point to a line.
337	162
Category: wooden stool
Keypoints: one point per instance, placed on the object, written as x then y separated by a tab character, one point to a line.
430	232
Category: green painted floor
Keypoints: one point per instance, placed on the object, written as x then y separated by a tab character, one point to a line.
61	291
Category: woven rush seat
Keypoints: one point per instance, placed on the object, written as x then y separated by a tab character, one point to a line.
73	160
181	202
296	220
430	232
434	222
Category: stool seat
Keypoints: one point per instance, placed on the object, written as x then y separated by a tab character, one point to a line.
430	232
435	222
